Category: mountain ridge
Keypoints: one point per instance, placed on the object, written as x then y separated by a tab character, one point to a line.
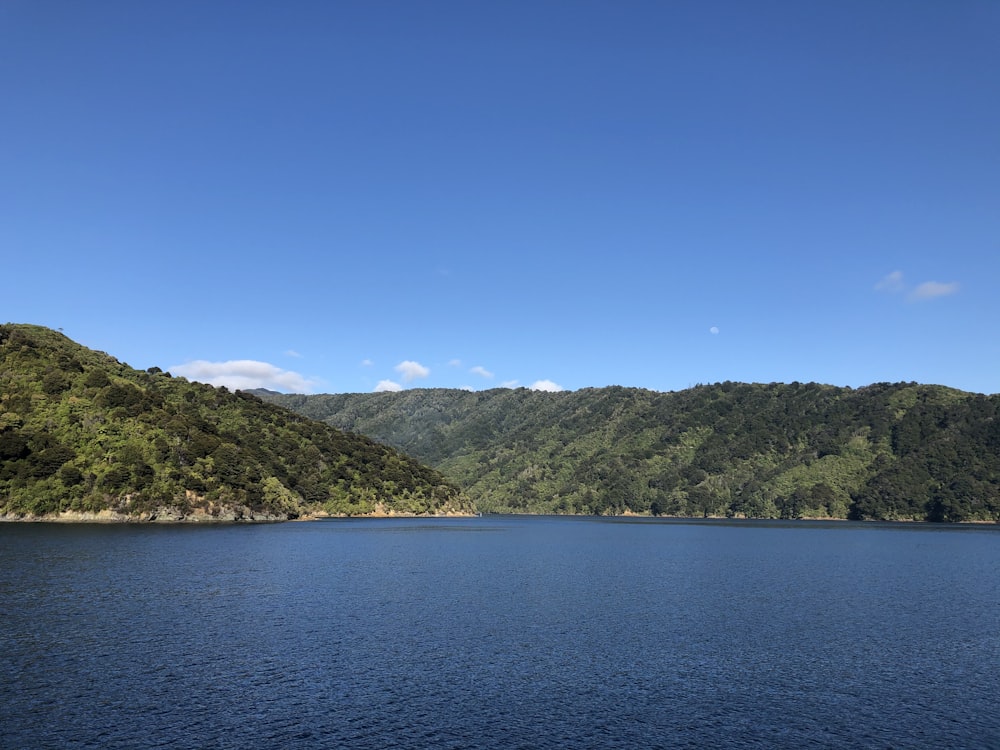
886	451
86	437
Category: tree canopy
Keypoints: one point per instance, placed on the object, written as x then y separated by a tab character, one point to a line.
899	451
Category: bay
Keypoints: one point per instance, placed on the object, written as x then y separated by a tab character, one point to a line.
500	632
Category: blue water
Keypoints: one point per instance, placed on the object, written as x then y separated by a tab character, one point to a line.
500	633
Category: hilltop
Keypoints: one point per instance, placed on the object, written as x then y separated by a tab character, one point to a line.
899	451
85	435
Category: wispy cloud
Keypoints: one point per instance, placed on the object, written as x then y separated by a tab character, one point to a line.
482	371
384	386
412	370
932	289
454	363
714	330
244	374
509	384
546	385
892	282
292	353
366	363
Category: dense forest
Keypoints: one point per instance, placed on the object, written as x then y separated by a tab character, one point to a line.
80	431
886	451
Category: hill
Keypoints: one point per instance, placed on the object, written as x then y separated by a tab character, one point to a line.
83	433
887	451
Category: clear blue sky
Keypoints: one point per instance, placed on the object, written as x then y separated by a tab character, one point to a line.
344	196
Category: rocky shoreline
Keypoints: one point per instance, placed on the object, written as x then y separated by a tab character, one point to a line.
160	515
199	516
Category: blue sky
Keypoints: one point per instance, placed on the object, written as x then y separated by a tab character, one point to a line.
351	196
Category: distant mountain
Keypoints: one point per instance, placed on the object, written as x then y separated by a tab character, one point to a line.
83	434
886	451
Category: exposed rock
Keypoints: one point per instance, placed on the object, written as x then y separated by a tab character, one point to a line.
238	514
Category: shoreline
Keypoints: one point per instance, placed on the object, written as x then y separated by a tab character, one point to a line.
172	516
164	516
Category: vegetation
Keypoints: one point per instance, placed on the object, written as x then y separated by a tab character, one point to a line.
886	451
80	431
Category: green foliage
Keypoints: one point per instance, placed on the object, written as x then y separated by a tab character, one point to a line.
81	431
886	451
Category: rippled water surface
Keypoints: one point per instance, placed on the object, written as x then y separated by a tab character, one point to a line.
499	633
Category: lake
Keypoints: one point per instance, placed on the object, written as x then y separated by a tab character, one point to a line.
500	632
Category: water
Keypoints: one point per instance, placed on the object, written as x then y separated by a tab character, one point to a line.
499	633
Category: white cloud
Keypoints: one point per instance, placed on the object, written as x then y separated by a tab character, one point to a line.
480	370
713	330
546	385
509	384
412	370
244	374
932	289
292	353
366	363
927	290
387	385
466	388
454	363
892	282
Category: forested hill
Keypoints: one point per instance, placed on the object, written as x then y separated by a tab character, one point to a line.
80	431
886	451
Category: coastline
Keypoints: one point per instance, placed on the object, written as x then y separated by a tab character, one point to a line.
245	515
173	516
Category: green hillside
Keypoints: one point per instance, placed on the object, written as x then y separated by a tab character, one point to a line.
82	432
886	451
